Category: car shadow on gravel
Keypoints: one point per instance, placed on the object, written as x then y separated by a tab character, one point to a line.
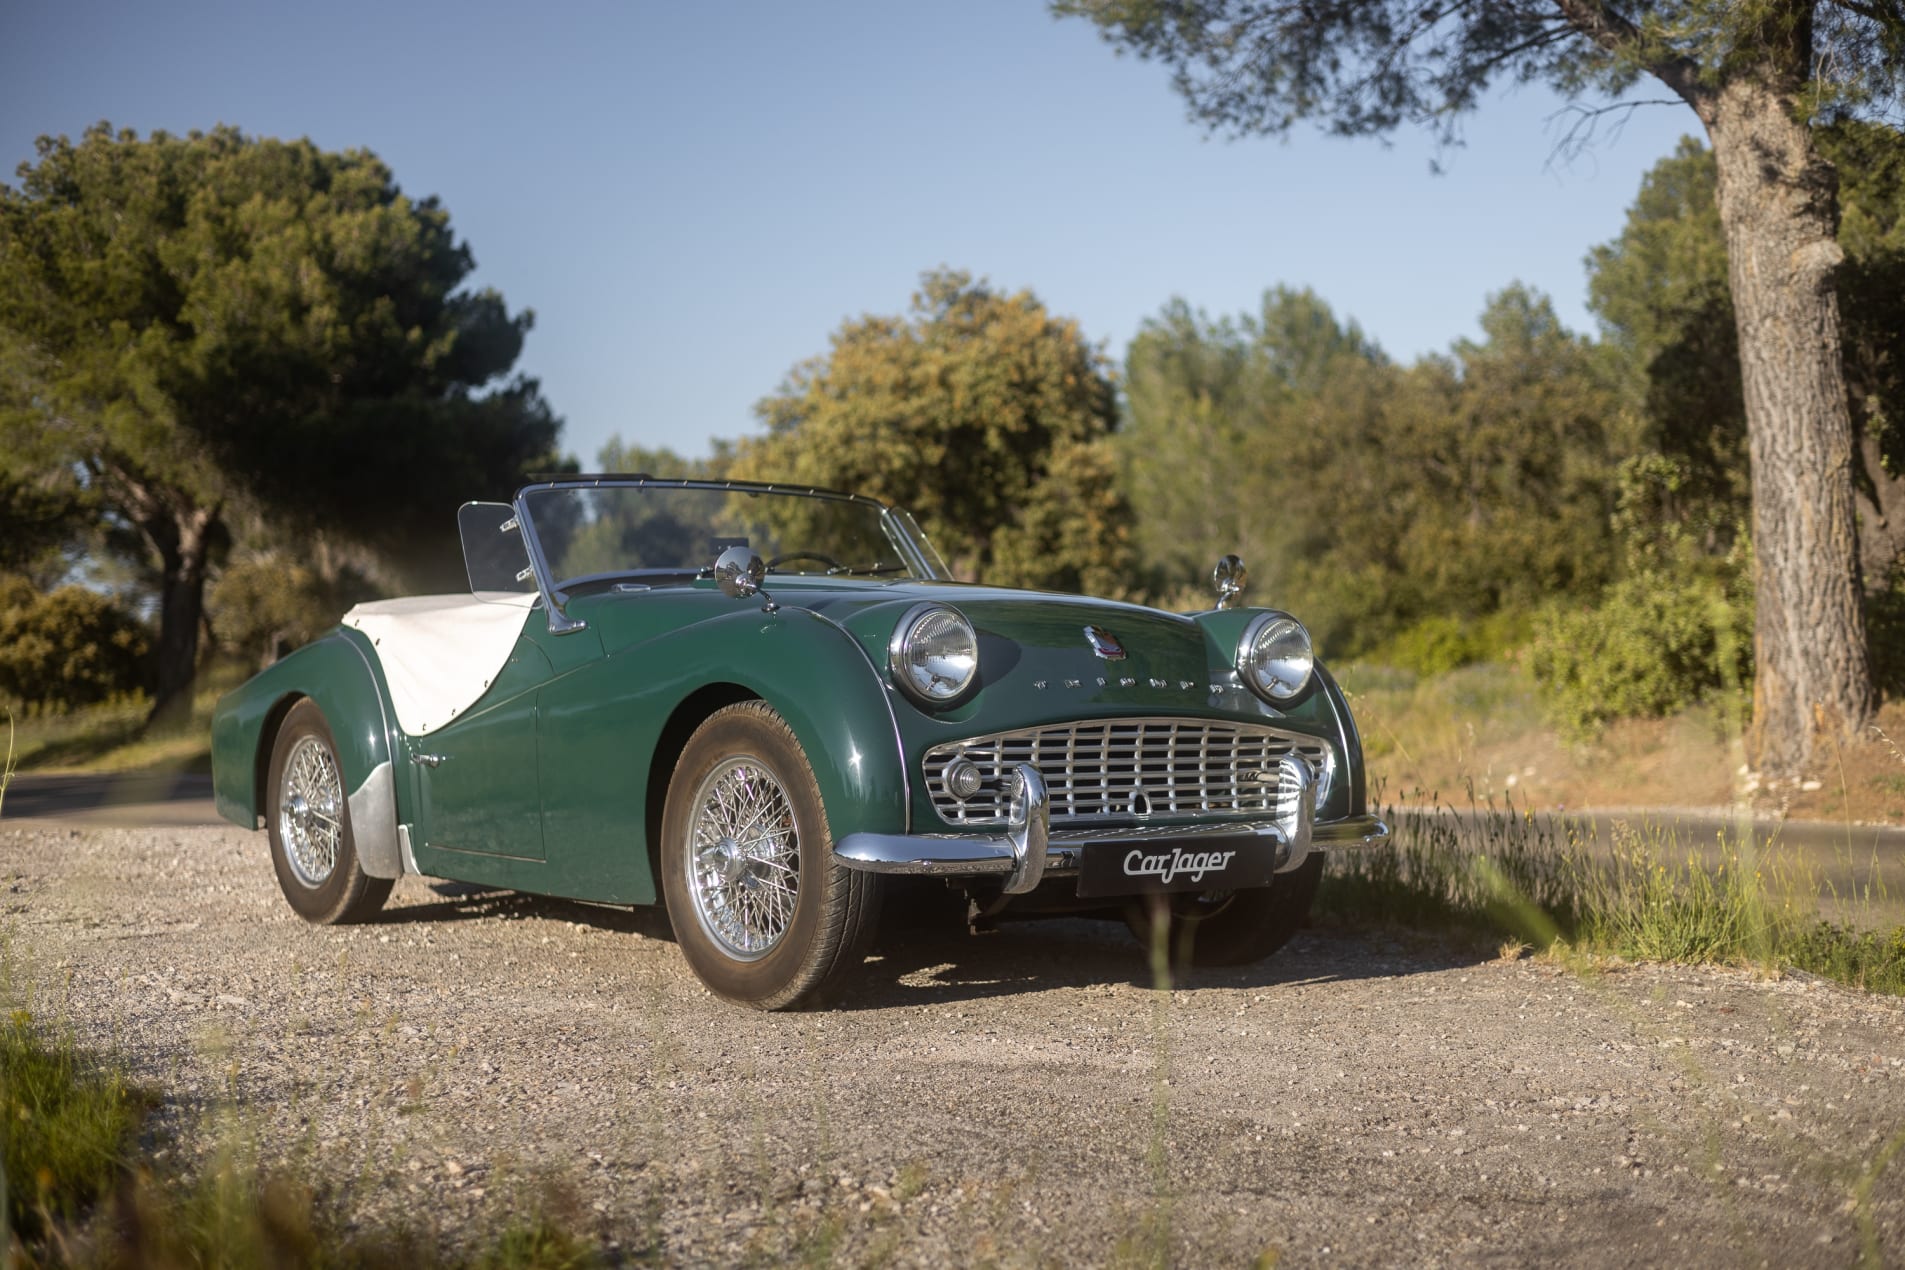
934	965
466	902
925	955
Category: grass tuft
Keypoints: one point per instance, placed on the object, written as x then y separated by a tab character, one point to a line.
69	1125
1505	878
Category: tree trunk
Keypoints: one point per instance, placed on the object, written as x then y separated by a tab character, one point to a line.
1779	205
183	542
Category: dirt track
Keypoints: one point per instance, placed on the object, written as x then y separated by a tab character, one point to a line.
1022	1097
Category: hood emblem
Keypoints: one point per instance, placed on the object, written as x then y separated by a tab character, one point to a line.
1104	643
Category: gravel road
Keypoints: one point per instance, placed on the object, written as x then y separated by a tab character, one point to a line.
1020	1097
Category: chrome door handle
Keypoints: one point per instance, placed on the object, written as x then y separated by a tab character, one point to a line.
427	760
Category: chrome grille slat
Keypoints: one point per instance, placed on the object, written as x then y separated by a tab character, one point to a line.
1093	768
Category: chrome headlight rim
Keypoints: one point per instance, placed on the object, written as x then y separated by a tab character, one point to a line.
1265	630
900	667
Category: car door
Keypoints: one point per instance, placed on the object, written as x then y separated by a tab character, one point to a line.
478	775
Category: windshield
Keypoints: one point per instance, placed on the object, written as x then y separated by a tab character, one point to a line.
645	528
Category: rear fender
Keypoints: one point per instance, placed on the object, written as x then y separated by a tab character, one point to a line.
340	673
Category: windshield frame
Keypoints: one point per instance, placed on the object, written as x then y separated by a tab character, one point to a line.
922	558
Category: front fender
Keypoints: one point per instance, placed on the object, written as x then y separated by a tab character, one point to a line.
603	722
340	673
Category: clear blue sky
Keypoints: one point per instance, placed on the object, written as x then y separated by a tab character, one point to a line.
693	197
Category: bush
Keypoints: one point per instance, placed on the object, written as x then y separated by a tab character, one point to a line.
263	608
1657	643
1438	644
1885	634
71	647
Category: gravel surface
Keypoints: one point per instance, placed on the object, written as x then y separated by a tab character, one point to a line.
1020	1097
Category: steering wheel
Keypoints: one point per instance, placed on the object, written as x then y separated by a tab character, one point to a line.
822	557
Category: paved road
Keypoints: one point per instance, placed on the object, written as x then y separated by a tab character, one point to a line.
1858	870
128	799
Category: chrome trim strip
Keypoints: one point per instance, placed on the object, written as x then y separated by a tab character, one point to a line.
374	823
1357	831
964	855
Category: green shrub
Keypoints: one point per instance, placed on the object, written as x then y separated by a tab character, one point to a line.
1657	642
1885	635
71	647
1440	643
263	608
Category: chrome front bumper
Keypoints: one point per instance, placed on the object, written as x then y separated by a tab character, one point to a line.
1030	849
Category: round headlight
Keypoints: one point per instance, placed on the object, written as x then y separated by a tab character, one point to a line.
1274	657
935	654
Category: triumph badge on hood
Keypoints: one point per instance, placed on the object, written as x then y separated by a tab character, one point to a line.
1104	643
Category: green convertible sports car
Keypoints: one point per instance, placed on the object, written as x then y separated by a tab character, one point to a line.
757	704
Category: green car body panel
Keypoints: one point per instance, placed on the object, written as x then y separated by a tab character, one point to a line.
552	781
341	673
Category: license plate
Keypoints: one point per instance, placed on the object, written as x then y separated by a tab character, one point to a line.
1147	868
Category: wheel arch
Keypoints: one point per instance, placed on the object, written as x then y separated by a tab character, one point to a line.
342	679
690	713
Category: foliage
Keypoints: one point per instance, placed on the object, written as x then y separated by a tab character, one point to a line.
70	1126
1368	66
214	322
1885	626
1661	292
1374	499
982	414
1440	643
1658	641
40	511
70	647
1491	870
269	603
1760	77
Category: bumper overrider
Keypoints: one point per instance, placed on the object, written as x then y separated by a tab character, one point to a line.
1030	850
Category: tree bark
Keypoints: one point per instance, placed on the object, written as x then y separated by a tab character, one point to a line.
181	606
1778	202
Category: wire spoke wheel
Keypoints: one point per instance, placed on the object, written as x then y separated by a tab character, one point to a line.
763	912
744	869
310	816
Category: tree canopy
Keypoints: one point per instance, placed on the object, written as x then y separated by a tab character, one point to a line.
216	325
981	413
1759	76
1369	497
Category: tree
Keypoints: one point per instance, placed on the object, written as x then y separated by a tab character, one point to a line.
214	324
1760	76
982	414
1660	290
1367	497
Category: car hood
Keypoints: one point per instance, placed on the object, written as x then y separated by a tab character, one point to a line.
1033	646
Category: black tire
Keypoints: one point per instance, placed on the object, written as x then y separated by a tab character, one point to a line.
308	817
1233	929
767	920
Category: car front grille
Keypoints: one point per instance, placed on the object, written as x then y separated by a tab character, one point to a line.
1120	769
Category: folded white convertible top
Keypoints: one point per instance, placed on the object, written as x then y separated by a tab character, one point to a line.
441	652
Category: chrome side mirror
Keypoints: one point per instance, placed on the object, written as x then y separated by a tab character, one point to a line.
1229	577
739	571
